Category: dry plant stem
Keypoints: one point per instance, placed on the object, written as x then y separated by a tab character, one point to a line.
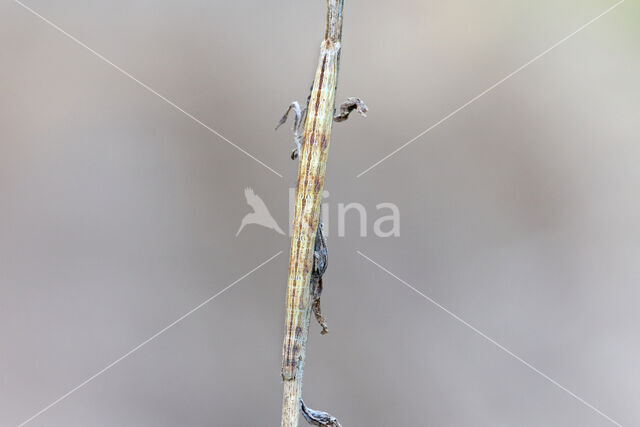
311	173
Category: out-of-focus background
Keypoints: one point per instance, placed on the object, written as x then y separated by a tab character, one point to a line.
520	214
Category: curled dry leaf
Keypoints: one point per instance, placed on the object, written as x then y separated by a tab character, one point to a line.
318	418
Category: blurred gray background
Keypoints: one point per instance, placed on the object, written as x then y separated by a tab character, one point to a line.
520	214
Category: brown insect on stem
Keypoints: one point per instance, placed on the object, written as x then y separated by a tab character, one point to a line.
314	148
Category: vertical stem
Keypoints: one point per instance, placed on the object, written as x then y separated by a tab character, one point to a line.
311	173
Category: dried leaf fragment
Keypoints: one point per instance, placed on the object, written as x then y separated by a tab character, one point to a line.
318	418
348	106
